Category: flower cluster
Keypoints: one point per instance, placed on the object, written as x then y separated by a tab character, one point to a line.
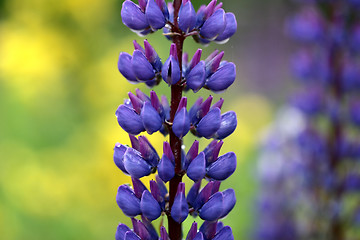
327	66
142	112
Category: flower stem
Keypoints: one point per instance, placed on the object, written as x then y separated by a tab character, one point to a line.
174	228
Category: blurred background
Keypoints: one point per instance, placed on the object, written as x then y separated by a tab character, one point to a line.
60	87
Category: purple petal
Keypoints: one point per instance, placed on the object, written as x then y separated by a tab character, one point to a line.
229	201
205	106
182	104
127	201
187	17
203	196
209	124
152	56
193	193
154	15
218	104
119	151
124	66
222	78
230	29
129	120
162	187
121	231
134	142
171	71
214	64
150	228
166	169
163	234
148	152
213	26
129	235
208	229
151	118
192	153
227	126
132	16
142	68
155	192
136	102
166	106
196	78
199	236
194	111
150	208
196	169
138	186
142	95
181	124
180	209
135	165
213	208
223	167
192	232
196	58
168	152
224	233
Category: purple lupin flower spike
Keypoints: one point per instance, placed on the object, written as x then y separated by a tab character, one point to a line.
146	112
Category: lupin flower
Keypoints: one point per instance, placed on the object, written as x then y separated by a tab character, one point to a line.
144	66
148	113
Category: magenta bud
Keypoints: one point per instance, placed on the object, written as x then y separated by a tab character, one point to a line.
138	186
195	80
124	66
209	124
166	169
187	17
218	104
132	16
196	169
211	56
214	25
191	154
154	15
193	193
213	208
227	126
155	192
173	51
142	4
205	107
137	46
151	118
129	120
152	56
208	229
127	201
142	95
224	233
204	195
213	65
182	104
192	232
222	78
181	124
162	187
150	208
141	230
129	235
209	10
119	151
229	201
135	165
148	152
223	167
134	142
141	67
230	28
168	152
180	209
155	102
163	234
121	231
136	102
196	58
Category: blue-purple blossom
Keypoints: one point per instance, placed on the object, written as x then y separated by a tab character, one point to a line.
127	201
187	16
196	169
150	208
180	209
171	69
223	167
133	17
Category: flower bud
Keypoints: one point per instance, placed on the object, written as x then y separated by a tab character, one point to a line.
204	195
121	231
213	64
213	208
141	67
142	95
150	208
129	120
129	235
218	104
180	209
222	78
151	118
187	17
171	69
119	151
199	236
148	152
223	167
229	201
230	28
135	165
127	201
196	77
154	15
209	124
166	169
124	66
138	186
213	26
192	153
156	193
224	233
163	234
152	56
166	106
136	102
132	16
212	151
196	169
193	193
192	232
181	124
141	230
227	126
194	111
208	229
